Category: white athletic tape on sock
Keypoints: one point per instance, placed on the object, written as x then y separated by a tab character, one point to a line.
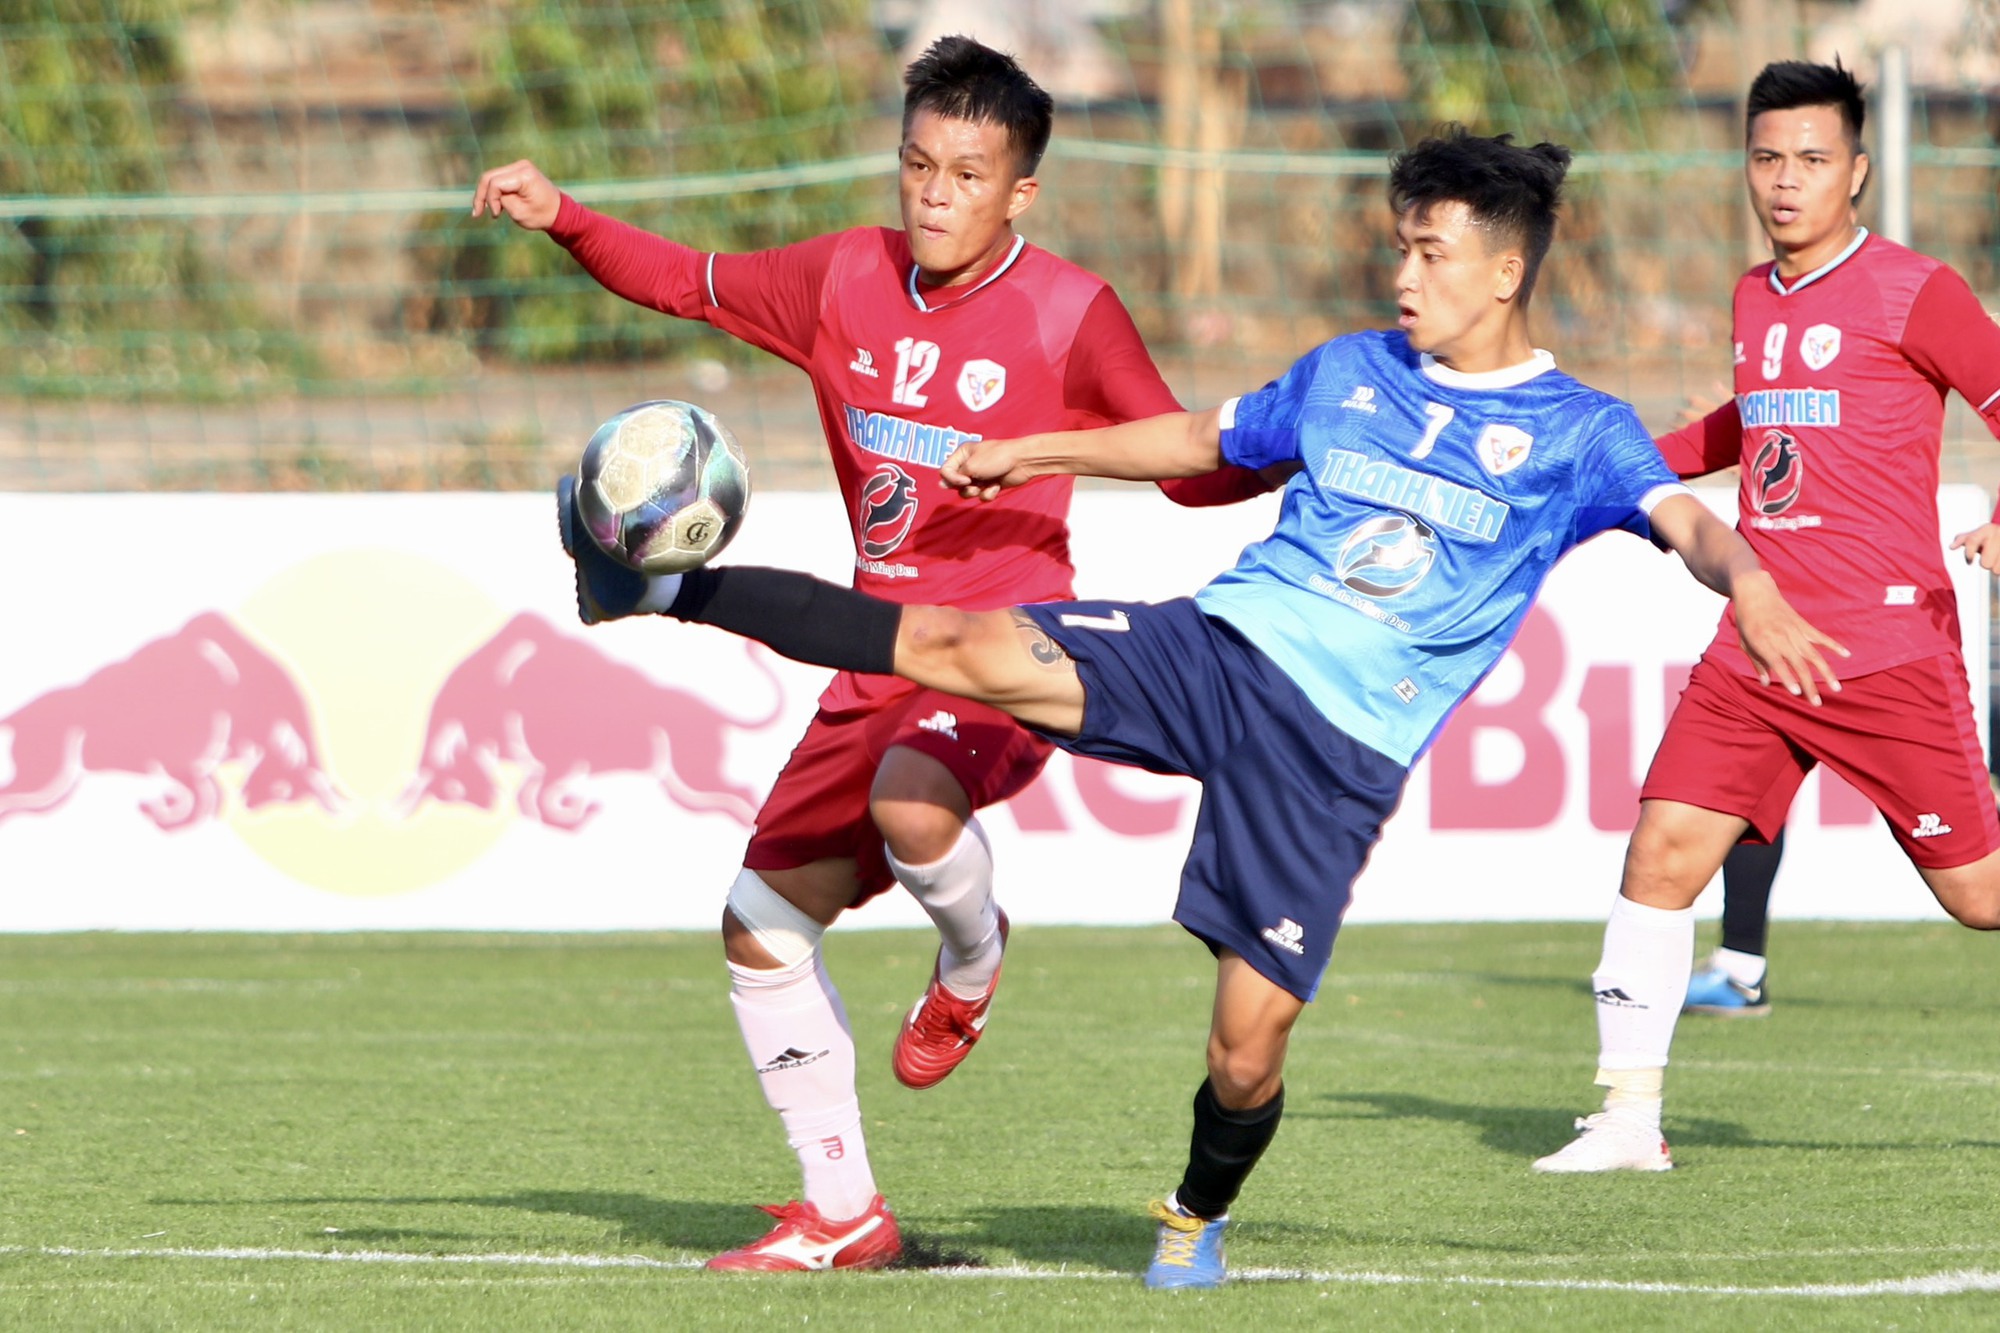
787	934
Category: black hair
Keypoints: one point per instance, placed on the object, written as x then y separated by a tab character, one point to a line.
1512	192
1785	84
960	79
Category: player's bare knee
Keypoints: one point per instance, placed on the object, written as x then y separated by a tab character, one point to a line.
1243	1075
1978	909
917	833
1663	870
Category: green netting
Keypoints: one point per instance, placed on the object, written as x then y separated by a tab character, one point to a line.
234	249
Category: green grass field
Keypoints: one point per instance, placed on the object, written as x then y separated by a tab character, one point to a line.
448	1131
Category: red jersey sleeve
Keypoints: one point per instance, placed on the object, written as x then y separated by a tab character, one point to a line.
769	298
1951	339
643	268
1709	445
1111	376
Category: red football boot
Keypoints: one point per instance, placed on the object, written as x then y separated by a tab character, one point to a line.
941	1030
805	1242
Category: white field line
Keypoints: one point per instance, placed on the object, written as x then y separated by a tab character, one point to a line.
1956	1282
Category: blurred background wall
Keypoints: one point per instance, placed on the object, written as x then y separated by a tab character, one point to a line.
234	249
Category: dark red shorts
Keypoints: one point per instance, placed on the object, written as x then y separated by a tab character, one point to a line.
1904	737
818	809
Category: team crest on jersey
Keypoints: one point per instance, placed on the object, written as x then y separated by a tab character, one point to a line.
1503	448
887	510
1388	556
1776	473
1819	345
982	383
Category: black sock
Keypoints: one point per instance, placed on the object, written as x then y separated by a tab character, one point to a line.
806	619
1746	893
1224	1147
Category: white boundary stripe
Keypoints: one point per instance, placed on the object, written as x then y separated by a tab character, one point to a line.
1955	1282
362	1257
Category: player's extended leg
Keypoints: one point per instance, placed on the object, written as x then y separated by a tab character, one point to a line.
938	852
997	657
1732	984
1641	980
796	1031
1971	892
1236	1112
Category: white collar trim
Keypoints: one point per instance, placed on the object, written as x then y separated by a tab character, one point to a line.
1504	378
1778	283
917	299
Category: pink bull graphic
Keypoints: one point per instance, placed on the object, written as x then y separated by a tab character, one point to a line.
177	709
561	710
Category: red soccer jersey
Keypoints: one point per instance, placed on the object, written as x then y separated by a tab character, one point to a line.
903	375
1839	411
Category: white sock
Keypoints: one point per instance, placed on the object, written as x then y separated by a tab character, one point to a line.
1746	969
1641	982
957	891
795	1029
661	589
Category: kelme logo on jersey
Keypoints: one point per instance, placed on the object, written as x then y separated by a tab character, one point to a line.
1776	474
887	510
982	384
1387	556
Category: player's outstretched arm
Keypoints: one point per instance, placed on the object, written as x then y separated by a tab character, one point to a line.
1709	440
522	192
1179	444
1981	544
1780	643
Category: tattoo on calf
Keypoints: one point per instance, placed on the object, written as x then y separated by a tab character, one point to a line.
1046	651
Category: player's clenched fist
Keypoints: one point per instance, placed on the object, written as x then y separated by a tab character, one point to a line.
522	192
981	469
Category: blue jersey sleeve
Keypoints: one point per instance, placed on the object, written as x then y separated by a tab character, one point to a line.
1617	470
1262	428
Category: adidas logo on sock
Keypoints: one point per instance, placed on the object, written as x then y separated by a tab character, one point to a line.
1617	998
789	1058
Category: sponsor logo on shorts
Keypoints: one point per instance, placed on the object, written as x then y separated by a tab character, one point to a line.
942	722
1288	935
1406	690
1930	826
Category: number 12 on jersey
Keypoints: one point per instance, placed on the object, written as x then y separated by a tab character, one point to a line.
916	362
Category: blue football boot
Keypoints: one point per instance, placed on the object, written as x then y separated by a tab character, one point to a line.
1189	1252
605	589
1714	992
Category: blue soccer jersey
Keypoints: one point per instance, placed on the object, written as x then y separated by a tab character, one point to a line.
1430	506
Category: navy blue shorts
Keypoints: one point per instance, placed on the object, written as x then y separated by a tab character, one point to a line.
1290	804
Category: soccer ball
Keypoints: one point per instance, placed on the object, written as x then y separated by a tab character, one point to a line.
663	486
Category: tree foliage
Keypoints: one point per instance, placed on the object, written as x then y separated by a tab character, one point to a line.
598	90
1570	70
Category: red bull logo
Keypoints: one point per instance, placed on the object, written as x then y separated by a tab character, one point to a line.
561	712
176	711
